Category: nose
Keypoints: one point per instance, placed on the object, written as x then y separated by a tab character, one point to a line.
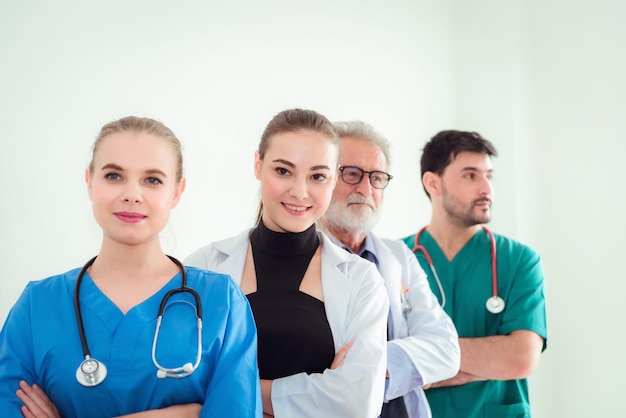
132	193
486	188
364	187
298	189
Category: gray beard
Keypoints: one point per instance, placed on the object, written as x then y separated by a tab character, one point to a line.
361	221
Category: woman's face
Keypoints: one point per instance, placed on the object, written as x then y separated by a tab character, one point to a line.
297	177
133	186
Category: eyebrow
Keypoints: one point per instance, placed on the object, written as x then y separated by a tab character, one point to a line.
292	165
476	169
152	171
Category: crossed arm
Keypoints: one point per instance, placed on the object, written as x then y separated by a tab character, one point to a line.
38	405
266	385
498	357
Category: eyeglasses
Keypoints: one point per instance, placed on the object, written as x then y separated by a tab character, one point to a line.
354	175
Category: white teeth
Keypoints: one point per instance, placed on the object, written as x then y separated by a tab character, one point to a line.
296	208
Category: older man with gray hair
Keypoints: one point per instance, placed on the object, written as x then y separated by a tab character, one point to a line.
423	343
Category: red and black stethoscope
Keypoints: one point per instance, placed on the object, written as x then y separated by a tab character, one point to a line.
495	304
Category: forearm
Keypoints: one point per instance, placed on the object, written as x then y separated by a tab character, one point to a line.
191	410
266	395
461	378
501	357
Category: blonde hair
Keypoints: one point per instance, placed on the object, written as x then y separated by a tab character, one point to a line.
138	124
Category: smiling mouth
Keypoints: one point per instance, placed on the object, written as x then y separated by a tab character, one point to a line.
296	208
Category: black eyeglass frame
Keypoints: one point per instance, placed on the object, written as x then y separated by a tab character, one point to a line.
363	173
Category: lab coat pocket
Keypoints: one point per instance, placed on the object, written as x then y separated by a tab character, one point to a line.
515	410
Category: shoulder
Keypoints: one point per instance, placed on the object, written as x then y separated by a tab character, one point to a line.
204	257
57	287
210	282
198	274
409	241
55	282
511	248
396	246
342	261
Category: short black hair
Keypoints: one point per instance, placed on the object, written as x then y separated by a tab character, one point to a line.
442	149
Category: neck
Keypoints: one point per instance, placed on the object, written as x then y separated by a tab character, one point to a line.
450	238
130	260
354	240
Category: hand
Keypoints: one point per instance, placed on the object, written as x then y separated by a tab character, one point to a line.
36	402
460	379
340	356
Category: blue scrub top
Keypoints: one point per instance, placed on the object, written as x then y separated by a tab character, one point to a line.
40	343
467	284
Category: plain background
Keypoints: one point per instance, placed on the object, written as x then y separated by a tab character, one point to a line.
543	80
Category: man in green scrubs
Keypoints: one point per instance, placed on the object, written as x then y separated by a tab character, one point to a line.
500	348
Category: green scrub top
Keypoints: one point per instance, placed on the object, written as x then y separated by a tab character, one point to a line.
467	283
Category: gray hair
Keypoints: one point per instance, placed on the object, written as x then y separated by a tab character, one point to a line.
366	133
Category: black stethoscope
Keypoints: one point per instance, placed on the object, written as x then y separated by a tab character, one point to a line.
92	372
495	304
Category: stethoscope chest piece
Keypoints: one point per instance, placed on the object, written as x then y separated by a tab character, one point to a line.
91	372
495	304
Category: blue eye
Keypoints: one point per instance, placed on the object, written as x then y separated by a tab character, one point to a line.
154	181
112	176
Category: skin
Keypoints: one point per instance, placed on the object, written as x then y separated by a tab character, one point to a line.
133	188
355	208
297	175
461	201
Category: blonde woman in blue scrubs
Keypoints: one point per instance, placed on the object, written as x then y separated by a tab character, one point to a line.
134	180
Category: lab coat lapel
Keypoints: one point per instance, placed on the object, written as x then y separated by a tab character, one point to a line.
233	255
391	271
337	287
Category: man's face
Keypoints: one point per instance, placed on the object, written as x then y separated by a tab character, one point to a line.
466	189
356	207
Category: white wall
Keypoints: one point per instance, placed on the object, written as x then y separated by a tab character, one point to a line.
543	80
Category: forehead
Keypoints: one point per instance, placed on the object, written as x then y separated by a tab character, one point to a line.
135	148
471	160
361	153
303	147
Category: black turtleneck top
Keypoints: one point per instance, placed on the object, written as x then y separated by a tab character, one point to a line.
293	331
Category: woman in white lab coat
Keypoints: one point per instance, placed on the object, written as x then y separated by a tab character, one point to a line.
321	313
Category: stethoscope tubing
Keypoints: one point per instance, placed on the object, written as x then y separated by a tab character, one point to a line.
79	315
93	379
431	264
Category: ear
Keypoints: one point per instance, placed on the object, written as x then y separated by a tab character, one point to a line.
257	165
88	182
180	188
432	183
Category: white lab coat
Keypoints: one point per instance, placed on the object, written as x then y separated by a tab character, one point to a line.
426	334
356	306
